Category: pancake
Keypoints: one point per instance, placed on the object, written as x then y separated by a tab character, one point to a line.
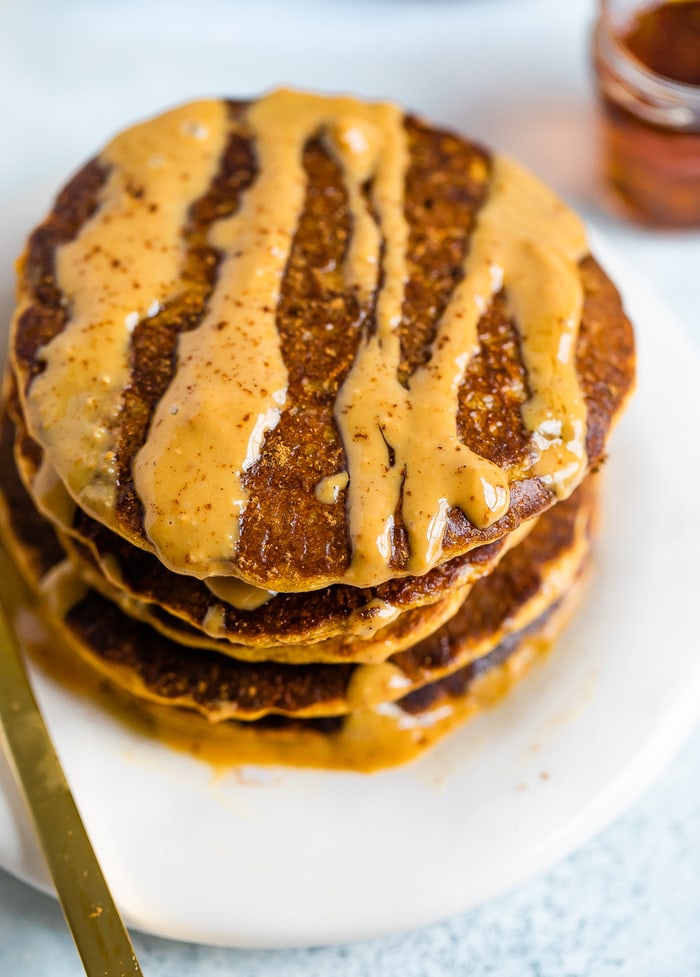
275	620
374	646
441	355
373	738
531	579
304	406
364	740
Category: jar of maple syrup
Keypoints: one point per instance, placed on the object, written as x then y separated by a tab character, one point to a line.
647	62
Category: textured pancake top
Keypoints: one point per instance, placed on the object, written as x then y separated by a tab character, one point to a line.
309	340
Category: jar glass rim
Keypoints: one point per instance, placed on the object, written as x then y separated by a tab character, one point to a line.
637	72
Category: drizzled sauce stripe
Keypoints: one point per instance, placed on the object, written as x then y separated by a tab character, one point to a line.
154	343
124	264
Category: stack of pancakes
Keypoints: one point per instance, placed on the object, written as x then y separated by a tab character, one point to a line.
303	401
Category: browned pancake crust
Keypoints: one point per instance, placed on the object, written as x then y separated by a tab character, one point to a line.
410	626
286	618
365	740
30	531
132	654
290	540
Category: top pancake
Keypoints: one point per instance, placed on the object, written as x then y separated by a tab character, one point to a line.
307	341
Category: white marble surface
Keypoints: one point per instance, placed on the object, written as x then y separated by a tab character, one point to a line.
513	72
626	905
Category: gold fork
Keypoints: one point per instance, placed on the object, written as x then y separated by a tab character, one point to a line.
94	921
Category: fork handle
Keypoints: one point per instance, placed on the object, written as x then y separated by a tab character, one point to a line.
94	921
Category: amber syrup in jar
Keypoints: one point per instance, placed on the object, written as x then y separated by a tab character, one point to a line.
647	61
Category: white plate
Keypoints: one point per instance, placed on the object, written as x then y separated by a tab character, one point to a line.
282	857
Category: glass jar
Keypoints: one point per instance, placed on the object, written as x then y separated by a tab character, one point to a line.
647	64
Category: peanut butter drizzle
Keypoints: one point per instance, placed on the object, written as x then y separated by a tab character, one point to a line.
357	147
51	495
328	489
123	265
373	684
238	594
61	589
536	242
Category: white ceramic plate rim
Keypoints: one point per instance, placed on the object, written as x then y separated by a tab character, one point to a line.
279	857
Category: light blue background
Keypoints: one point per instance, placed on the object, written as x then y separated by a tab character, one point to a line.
628	903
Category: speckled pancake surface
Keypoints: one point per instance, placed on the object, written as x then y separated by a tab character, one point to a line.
308	341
